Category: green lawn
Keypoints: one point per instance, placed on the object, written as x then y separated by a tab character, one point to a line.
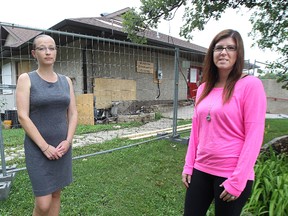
142	180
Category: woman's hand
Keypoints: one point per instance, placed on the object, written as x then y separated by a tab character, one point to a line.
51	153
186	179
63	147
225	196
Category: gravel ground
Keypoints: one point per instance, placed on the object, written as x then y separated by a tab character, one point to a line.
99	137
184	112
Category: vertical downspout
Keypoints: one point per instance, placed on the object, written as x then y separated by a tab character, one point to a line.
84	69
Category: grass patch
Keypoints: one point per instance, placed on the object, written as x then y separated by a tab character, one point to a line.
13	137
275	128
84	129
143	180
158	115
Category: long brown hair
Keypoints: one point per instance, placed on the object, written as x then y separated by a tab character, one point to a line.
210	71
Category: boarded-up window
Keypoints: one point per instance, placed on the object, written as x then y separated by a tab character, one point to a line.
108	90
85	109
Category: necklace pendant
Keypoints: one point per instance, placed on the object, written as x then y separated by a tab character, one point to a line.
208	117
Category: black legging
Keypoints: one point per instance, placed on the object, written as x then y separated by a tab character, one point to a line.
204	188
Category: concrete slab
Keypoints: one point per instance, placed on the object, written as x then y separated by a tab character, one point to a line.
276	116
186	112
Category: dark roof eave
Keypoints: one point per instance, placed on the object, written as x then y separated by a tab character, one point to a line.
170	45
118	31
150	35
61	24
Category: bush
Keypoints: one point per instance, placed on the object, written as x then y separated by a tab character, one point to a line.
270	190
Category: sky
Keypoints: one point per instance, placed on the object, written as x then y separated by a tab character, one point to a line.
32	13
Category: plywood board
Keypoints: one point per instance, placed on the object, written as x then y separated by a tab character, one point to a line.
85	109
23	67
107	90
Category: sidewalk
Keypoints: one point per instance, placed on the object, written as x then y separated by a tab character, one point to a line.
276	116
186	112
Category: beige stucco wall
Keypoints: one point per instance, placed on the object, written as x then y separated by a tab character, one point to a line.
119	62
277	98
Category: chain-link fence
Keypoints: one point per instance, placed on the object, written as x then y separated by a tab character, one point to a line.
114	80
106	72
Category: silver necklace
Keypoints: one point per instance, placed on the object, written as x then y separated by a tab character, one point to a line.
208	117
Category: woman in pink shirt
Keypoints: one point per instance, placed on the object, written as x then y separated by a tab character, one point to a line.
227	131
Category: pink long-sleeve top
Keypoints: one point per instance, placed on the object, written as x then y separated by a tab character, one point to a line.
229	144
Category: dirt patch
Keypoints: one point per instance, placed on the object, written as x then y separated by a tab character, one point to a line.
279	145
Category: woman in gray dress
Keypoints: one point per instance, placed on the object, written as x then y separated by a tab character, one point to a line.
47	112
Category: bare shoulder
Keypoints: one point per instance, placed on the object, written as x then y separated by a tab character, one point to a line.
23	80
23	77
68	78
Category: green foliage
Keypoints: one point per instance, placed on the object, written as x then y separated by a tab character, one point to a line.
269	20
268	76
158	116
280	69
270	23
134	26
270	190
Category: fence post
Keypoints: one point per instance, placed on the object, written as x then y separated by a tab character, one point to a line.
2	152
175	98
5	178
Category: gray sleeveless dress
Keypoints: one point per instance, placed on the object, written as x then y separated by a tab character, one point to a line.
48	111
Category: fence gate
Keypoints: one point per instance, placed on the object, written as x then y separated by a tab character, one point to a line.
5	178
